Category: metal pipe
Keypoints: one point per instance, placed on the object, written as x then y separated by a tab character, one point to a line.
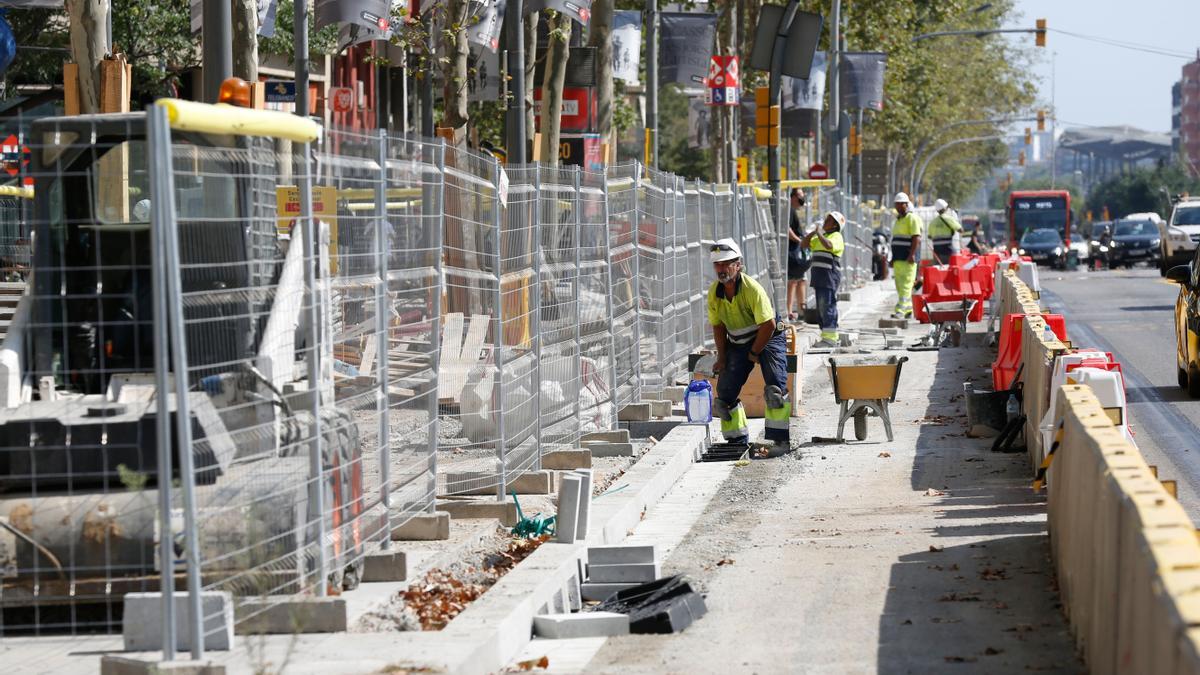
498	350
775	85
835	111
944	146
578	361
652	83
975	33
217	45
435	325
382	347
300	55
537	311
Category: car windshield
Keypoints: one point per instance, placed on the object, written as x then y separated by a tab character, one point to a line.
1189	215
1041	237
1135	229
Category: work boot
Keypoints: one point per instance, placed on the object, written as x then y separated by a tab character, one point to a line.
825	344
764	448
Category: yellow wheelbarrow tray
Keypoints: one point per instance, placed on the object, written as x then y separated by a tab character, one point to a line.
861	385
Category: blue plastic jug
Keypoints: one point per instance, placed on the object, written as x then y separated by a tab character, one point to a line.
698	401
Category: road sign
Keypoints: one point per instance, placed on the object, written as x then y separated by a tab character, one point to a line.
818	172
280	91
14	156
341	99
723	81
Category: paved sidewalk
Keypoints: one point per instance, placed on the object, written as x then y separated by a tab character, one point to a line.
840	559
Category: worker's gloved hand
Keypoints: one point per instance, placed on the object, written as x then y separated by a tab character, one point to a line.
773	396
720	410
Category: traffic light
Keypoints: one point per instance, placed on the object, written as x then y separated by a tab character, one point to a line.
1040	33
1041	119
855	141
1021	158
1028	136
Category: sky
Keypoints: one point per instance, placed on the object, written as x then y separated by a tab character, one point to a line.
1101	85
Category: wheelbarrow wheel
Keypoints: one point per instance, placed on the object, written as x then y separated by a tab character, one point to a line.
860	425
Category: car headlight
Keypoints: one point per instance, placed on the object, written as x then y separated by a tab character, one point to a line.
1115	244
1155	242
1020	251
1104	249
1095	243
1057	250
1176	234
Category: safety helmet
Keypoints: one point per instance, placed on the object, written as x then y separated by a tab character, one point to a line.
940	205
902	198
724	250
837	215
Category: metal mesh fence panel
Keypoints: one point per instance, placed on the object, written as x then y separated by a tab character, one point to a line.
559	320
696	258
654	277
680	311
623	192
597	372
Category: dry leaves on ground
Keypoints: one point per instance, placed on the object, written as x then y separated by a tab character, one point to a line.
931	492
969	596
530	664
885	454
993	574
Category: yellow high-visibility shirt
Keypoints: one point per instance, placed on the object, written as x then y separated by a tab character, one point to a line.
741	314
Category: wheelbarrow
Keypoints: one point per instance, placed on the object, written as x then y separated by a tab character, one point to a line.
949	321
864	385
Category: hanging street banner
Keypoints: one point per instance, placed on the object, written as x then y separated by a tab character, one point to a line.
579	10
699	131
350	34
806	94
485	19
860	80
370	13
686	47
626	45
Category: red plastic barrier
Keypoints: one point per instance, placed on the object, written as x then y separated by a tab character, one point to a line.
1008	358
942	283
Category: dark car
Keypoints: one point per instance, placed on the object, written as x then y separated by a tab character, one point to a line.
1044	247
1134	241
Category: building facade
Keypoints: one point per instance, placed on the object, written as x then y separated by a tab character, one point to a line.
1189	115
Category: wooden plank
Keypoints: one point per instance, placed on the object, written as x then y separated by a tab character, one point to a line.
476	335
367	360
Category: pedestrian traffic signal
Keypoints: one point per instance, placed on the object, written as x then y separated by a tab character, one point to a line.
1040	33
1041	119
1028	136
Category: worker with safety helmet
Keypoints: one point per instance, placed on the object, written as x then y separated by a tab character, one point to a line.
827	246
906	253
747	332
942	230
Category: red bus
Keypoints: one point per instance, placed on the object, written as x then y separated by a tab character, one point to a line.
1030	210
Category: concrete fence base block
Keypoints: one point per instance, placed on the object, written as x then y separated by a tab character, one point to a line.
634	412
600	449
623	573
674	393
424	527
290	615
111	664
385	566
505	512
656	428
526	483
660	408
612	436
567	460
581	625
622	554
600	592
143	622
567	521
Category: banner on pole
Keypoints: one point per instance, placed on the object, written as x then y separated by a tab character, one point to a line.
484	22
483	75
686	47
699	131
626	45
579	10
370	13
860	80
806	94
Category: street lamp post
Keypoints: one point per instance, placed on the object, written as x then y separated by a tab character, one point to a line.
912	177
945	146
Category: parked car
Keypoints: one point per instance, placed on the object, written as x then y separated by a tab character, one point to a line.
1187	325
1179	234
1134	241
1044	247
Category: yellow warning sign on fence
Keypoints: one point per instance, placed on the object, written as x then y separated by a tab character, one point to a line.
324	208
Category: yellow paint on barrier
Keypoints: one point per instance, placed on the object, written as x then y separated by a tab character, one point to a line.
324	207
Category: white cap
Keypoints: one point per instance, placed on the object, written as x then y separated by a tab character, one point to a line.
940	205
725	249
837	215
902	198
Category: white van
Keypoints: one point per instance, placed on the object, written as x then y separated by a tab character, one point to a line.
1180	234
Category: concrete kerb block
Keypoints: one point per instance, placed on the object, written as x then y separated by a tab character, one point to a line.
291	615
567	460
611	436
622	554
599	592
604	449
635	412
505	511
661	408
621	573
423	527
583	523
581	625
567	520
655	428
111	664
524	483
385	566
143	621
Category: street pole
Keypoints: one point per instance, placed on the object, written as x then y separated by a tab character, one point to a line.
652	83
835	111
514	29
734	111
775	85
300	54
217	46
427	83
1053	122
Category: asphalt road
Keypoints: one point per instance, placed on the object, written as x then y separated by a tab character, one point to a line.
1130	313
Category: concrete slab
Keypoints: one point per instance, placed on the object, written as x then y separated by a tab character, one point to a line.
505	512
581	625
423	527
602	449
599	592
634	412
111	664
142	626
291	615
612	436
660	408
624	573
622	554
385	566
567	460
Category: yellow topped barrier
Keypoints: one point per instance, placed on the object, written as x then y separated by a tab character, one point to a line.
22	191
226	119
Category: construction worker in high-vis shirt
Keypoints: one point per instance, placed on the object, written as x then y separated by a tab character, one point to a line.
906	253
941	232
827	246
746	331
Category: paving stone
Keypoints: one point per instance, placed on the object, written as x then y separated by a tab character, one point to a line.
620	554
893	323
623	573
142	626
112	664
580	625
424	527
584	521
525	483
635	412
567	460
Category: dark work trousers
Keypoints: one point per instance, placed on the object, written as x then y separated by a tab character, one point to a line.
773	362
827	312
